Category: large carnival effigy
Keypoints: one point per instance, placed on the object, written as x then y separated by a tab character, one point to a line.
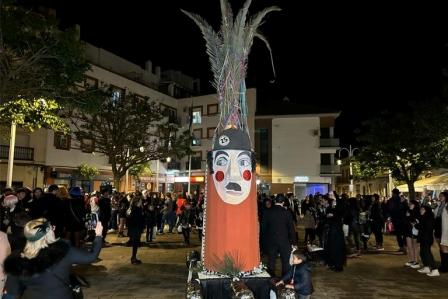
230	245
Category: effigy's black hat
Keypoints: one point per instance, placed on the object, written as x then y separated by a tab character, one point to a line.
232	139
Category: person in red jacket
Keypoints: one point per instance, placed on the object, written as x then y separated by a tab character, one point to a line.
180	203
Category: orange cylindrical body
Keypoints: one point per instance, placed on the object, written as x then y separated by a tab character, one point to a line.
231	229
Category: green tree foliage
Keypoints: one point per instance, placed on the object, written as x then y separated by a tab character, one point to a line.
140	169
130	131
408	142
33	114
88	171
37	61
363	171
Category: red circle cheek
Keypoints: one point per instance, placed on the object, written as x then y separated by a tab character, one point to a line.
247	175
219	176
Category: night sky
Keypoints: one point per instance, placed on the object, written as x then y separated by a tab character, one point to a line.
360	59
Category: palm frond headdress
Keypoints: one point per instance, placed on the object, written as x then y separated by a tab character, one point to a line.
228	52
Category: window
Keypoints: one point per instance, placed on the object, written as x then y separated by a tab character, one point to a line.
196	160
197	115
87	145
212	109
210	132
197	136
117	93
170	112
90	82
62	141
325	159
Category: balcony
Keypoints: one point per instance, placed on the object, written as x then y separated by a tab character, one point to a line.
173	165
329	142
330	169
20	153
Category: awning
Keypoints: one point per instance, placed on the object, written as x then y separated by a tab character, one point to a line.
438	182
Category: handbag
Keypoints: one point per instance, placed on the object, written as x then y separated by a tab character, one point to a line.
74	285
389	227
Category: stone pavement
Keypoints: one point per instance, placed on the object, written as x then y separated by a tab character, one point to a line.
163	274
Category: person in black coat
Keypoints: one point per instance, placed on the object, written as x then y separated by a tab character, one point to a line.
299	277
75	212
150	221
186	220
426	238
397	212
42	269
135	223
49	206
123	206
279	234
377	221
334	244
105	205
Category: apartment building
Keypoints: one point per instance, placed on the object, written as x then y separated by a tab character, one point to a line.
296	151
45	157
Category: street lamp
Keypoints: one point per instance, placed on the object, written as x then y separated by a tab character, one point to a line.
350	152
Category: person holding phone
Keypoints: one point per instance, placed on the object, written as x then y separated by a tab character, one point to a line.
55	258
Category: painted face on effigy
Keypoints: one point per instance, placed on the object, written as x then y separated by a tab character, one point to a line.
232	175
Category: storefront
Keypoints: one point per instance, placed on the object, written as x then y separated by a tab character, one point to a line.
70	178
197	183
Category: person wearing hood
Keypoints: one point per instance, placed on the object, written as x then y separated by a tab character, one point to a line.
42	269
299	277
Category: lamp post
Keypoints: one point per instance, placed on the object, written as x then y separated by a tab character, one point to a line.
350	152
142	149
12	143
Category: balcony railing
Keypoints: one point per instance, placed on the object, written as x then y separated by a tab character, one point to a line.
330	169
329	142
20	153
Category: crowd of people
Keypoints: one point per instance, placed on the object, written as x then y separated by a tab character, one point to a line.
342	226
33	224
61	223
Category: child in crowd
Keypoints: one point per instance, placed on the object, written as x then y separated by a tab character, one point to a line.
299	277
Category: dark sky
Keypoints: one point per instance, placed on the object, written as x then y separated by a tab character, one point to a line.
360	58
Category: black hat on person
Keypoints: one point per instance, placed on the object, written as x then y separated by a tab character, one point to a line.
395	191
52	188
280	198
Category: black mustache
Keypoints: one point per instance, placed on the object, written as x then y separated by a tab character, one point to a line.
233	186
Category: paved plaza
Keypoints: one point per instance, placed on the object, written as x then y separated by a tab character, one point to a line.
163	274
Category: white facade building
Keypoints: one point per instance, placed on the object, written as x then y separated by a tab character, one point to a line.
295	153
45	157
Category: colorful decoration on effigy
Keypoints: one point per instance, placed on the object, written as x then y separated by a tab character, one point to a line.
231	229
